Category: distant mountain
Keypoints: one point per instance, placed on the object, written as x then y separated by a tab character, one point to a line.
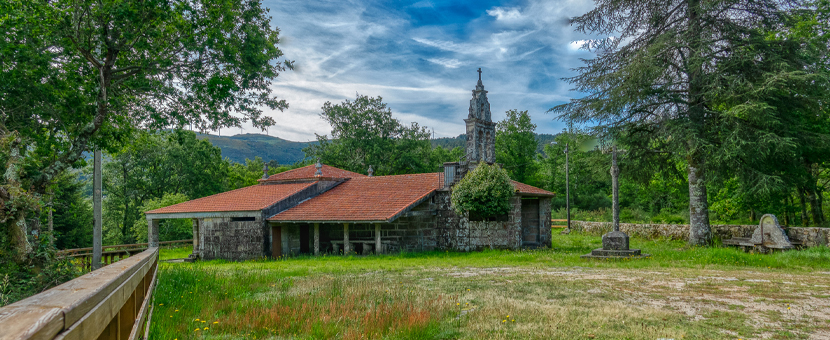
250	145
461	141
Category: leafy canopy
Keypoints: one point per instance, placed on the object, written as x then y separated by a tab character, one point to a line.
364	133
483	192
516	146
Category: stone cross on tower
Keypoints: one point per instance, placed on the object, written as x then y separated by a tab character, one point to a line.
481	130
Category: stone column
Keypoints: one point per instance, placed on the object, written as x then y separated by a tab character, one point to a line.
346	245
316	238
615	187
152	233
195	236
378	246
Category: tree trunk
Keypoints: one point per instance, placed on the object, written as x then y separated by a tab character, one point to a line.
752	215
804	220
787	211
815	208
700	233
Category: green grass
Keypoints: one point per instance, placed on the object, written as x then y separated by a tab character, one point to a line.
549	293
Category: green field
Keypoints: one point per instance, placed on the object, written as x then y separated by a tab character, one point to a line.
679	293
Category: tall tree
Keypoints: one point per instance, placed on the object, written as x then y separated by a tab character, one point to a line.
78	73
364	133
653	78
516	145
156	164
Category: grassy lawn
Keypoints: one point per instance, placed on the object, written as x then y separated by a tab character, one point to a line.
680	293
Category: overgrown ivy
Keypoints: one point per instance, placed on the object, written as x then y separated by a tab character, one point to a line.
484	192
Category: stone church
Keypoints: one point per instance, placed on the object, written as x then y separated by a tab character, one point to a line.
322	209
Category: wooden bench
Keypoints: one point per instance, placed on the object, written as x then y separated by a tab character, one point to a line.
368	244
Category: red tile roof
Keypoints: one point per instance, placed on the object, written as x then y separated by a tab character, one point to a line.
252	198
380	198
531	190
309	170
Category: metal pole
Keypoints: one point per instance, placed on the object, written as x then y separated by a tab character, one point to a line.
567	187
96	210
615	187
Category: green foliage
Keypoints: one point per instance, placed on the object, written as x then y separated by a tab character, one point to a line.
72	212
170	229
158	163
483	192
39	271
516	146
364	133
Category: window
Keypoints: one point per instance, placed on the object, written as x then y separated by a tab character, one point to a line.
243	219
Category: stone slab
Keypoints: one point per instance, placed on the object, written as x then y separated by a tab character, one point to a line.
641	256
615	254
615	240
611	252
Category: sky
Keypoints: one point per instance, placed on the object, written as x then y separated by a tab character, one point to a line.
421	57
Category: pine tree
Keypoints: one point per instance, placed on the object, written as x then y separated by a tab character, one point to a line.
655	77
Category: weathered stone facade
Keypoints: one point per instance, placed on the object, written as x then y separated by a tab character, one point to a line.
222	238
808	237
431	225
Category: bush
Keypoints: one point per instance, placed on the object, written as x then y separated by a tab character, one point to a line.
40	271
484	192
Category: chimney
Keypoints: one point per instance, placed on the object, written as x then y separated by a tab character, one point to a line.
371	171
319	168
265	171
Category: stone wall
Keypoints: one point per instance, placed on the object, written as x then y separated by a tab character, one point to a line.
220	238
457	232
807	236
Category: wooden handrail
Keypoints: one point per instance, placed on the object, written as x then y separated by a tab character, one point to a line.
136	245
108	303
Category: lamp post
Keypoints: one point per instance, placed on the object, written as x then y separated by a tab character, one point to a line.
567	187
567	180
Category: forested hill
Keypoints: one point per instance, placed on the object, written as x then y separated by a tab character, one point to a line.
250	145
451	142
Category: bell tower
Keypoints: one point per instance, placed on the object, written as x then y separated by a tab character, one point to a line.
481	131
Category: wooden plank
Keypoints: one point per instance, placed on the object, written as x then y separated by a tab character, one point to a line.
93	323
44	315
135	332
30	322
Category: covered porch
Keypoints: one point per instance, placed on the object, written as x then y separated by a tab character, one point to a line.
331	237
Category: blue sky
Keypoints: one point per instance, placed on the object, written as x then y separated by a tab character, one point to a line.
421	57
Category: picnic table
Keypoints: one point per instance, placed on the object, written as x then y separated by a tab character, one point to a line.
368	244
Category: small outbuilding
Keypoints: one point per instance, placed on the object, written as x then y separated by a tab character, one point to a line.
322	209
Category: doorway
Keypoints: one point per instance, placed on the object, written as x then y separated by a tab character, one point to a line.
305	239
530	222
276	241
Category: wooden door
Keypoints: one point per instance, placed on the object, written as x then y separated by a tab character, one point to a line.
530	222
276	241
305	239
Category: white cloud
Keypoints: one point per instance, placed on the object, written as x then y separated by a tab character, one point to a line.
505	14
446	62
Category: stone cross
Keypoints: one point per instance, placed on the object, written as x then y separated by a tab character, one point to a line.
479	74
615	187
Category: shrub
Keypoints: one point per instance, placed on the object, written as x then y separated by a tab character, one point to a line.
484	192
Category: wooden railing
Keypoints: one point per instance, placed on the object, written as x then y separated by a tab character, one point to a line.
114	254
113	302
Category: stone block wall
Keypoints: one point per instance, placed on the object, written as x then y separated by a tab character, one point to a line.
545	221
809	237
457	232
221	238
